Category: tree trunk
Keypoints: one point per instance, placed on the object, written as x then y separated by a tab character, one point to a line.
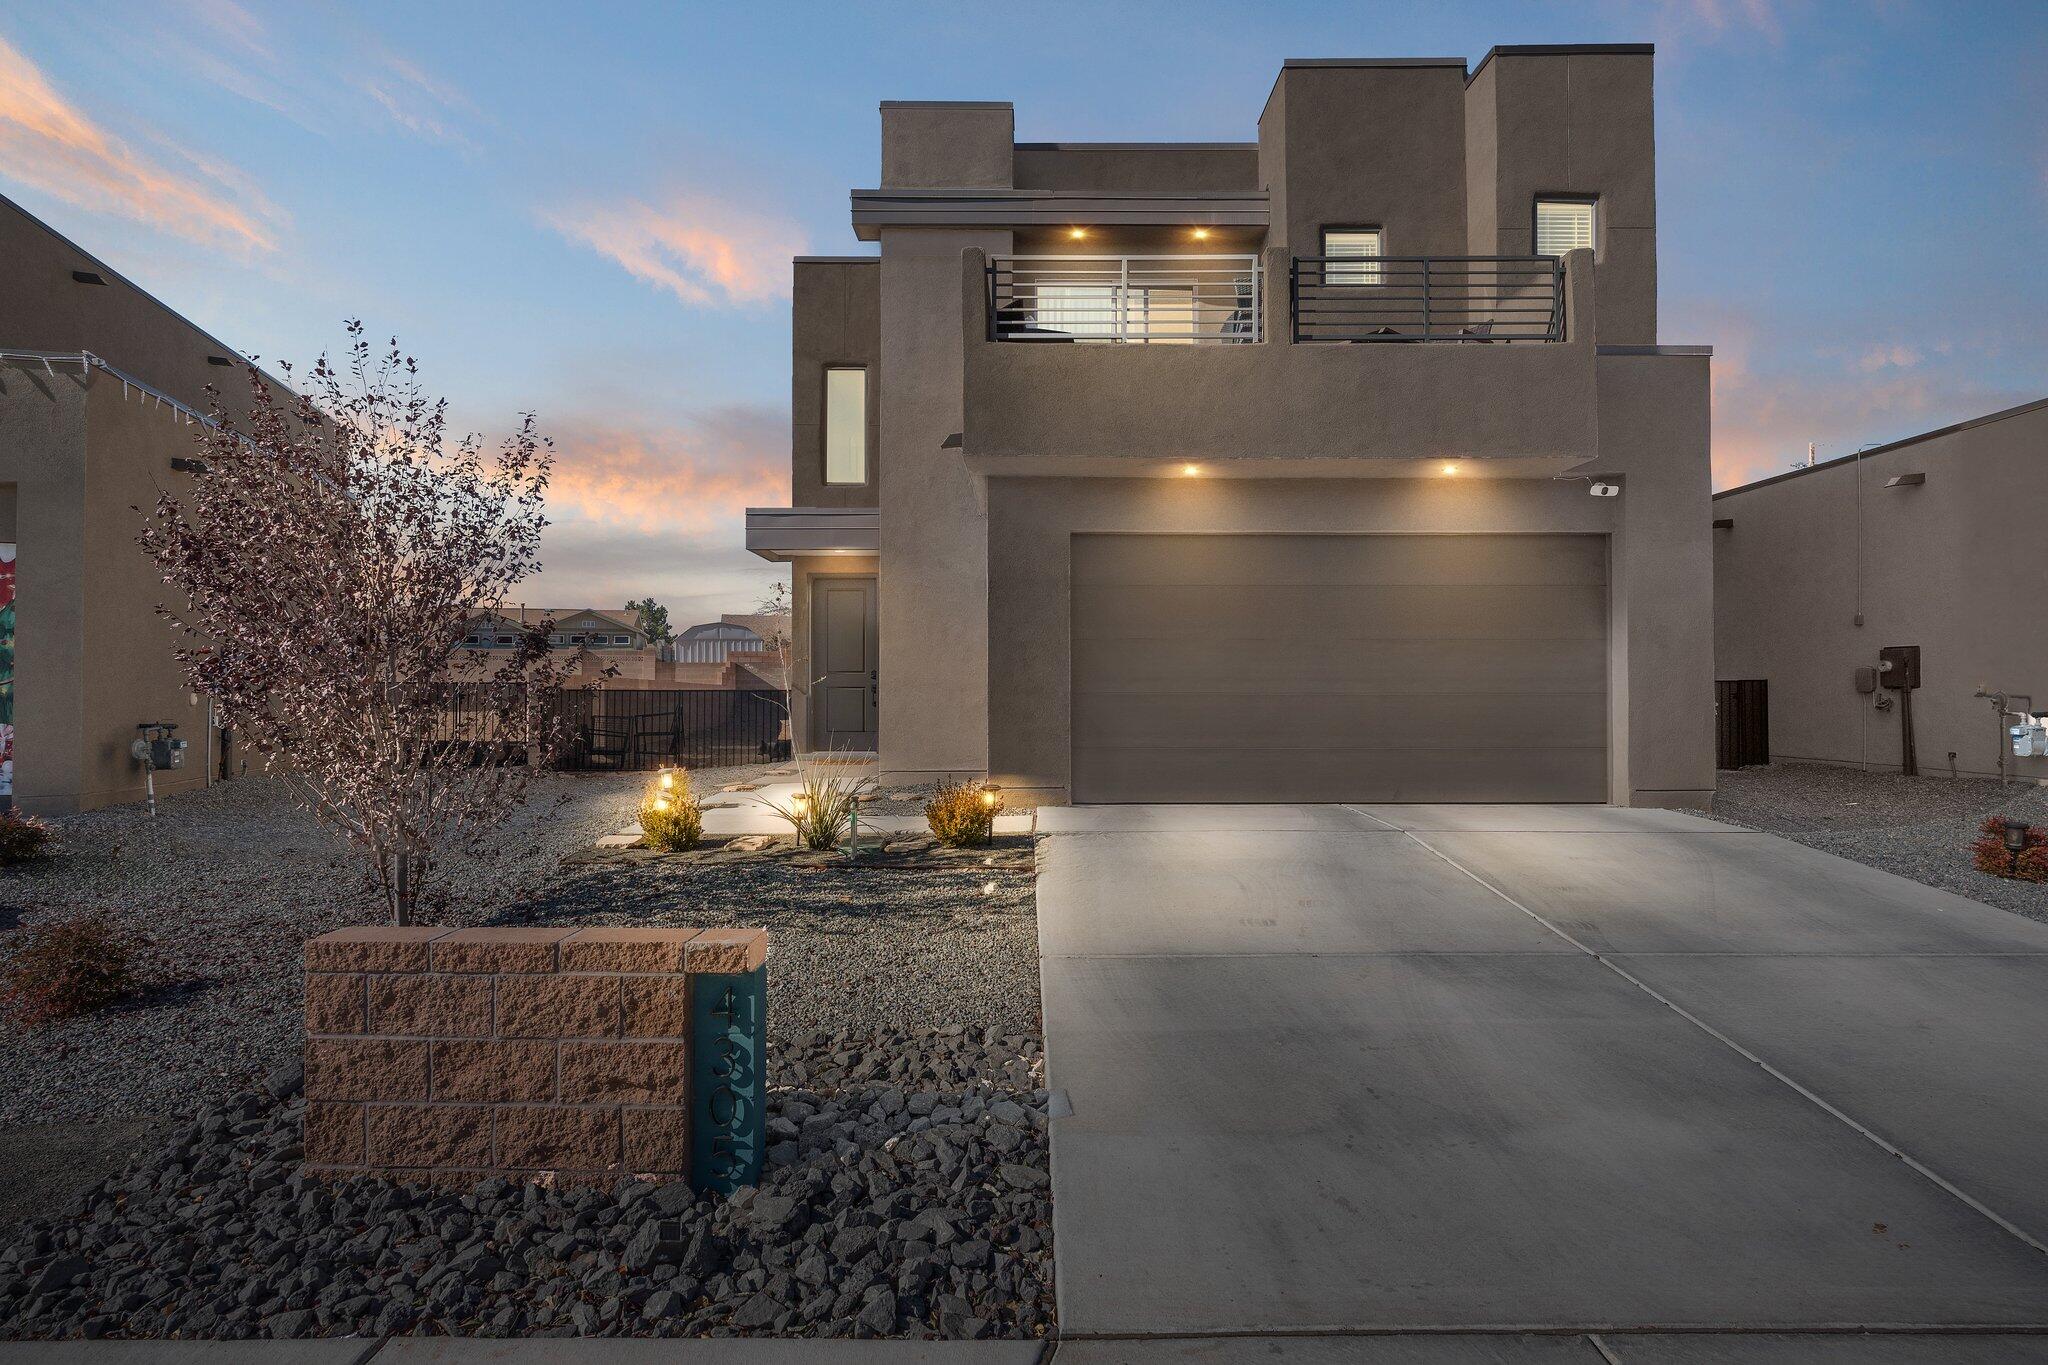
402	890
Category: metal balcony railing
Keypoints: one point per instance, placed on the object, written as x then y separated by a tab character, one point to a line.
1428	298
1184	300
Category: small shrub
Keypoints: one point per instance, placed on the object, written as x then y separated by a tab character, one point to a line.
671	817
1989	853
962	813
71	967
820	809
24	838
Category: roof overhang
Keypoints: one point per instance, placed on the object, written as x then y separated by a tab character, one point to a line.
874	210
786	533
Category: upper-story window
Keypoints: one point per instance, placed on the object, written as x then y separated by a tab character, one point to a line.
846	425
1563	225
1352	255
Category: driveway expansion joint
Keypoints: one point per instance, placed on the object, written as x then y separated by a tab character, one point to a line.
1868	1134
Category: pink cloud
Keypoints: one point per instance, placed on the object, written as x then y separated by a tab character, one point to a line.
419	103
691	481
49	143
701	249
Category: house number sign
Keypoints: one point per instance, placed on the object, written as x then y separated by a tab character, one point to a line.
728	1121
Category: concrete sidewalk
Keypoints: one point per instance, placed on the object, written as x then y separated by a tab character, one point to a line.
1544	1070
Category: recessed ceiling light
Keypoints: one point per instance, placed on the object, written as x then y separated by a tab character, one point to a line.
1450	469
1077	233
1190	469
1201	234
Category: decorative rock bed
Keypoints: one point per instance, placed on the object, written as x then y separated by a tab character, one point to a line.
907	1194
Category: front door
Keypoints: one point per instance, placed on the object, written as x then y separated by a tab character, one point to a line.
843	667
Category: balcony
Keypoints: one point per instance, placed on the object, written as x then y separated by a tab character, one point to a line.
1461	299
1126	300
1493	368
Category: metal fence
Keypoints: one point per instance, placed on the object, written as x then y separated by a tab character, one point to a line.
633	731
1182	300
1428	298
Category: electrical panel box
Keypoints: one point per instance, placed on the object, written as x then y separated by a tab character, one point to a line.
1904	672
1866	679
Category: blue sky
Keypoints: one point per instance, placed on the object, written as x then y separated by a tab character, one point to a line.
588	210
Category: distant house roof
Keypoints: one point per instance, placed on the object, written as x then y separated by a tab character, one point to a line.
727	629
561	616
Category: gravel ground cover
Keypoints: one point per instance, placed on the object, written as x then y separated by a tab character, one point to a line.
907	1194
1915	827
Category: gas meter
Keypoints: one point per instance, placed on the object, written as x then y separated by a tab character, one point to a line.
158	746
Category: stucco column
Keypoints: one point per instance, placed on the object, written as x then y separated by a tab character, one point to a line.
934	561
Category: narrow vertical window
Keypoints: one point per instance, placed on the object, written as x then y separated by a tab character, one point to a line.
1563	225
846	426
1351	255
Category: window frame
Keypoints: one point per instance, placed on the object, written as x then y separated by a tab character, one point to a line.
1372	274
1592	203
867	465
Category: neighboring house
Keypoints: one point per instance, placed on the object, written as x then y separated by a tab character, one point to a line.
614	652
100	386
1934	542
1259	471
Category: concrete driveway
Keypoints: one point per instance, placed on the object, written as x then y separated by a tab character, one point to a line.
1591	1084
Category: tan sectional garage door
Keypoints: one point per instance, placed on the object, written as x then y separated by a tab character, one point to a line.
1340	668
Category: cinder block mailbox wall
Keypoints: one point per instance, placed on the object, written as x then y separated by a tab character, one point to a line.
439	1053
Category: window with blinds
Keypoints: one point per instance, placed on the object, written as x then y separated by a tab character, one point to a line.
1563	225
1342	247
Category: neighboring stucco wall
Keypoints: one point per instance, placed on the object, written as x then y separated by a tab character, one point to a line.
1954	566
934	590
92	658
42	456
1367	144
1276	398
43	309
835	319
130	675
1655	429
1570	124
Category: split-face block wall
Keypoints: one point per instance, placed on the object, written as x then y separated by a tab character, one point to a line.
438	1053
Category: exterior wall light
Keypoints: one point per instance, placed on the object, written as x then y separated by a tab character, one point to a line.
1077	233
1450	469
1190	470
1201	234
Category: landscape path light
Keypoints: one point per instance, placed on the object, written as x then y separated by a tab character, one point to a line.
2016	832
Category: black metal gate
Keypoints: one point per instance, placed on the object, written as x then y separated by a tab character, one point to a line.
1742	723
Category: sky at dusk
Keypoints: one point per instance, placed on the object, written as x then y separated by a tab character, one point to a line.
588	210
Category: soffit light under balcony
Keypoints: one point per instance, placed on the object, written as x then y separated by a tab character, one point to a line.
1077	233
1450	469
1201	234
1190	470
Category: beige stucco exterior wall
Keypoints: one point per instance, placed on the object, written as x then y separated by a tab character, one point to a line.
1553	124
1655	431
92	658
934	591
835	319
1954	566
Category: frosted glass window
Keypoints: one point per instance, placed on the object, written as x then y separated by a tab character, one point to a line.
846	426
1563	225
1342	246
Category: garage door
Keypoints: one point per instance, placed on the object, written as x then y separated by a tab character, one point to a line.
1340	668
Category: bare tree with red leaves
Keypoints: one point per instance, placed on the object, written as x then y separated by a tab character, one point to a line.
333	552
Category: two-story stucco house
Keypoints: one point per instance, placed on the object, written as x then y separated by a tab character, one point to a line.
1344	464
